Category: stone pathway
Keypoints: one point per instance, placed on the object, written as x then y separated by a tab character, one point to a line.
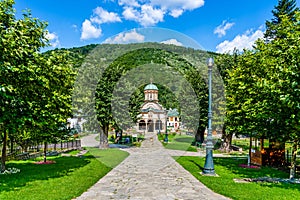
89	141
149	173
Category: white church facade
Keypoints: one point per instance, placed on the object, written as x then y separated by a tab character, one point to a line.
153	118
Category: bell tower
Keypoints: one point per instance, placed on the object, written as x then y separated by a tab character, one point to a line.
151	93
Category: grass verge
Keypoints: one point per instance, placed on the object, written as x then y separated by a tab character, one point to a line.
228	169
66	179
178	142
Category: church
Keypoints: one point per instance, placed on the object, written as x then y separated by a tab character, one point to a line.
153	117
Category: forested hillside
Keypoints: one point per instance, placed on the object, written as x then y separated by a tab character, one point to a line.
168	66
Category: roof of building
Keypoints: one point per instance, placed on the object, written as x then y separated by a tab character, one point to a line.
173	113
152	109
151	86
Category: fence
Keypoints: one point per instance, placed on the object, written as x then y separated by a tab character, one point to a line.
37	150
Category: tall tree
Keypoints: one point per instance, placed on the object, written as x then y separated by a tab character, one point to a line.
53	103
263	90
286	8
226	63
35	88
281	58
281	55
19	42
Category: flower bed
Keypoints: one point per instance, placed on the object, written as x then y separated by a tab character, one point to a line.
45	163
249	166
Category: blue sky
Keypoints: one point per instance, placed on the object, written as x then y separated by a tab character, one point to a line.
216	25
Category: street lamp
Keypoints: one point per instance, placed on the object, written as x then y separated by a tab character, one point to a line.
166	131
209	163
159	124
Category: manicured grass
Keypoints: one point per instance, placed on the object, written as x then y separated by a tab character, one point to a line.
74	152
66	179
109	157
228	169
178	142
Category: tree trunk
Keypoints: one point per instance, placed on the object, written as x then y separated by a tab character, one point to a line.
11	145
199	136
249	155
293	161
226	139
45	151
3	158
104	137
226	142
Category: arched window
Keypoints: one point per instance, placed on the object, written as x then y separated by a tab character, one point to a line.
142	125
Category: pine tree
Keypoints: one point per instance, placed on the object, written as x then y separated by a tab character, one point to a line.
284	7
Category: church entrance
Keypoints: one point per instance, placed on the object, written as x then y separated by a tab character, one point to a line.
150	126
158	125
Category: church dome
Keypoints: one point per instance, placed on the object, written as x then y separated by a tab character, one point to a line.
151	87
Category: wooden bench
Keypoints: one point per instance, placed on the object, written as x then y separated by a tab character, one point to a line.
236	148
52	153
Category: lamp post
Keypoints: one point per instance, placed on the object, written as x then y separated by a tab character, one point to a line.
166	131
159	124
209	163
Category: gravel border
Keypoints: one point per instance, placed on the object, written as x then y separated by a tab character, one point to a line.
268	180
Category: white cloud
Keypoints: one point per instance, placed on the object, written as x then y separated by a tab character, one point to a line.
146	15
144	12
132	3
178	4
175	8
131	14
74	26
151	16
91	27
176	13
125	38
53	39
240	42
103	16
151	12
172	41
221	29
89	31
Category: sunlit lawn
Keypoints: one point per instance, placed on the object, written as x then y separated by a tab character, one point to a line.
178	142
229	169
66	179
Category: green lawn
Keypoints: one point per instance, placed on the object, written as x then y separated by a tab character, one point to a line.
178	142
67	178
74	152
228	169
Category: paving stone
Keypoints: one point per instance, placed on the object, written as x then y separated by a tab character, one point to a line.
149	172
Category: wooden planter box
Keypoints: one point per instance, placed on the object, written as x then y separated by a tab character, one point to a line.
270	157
